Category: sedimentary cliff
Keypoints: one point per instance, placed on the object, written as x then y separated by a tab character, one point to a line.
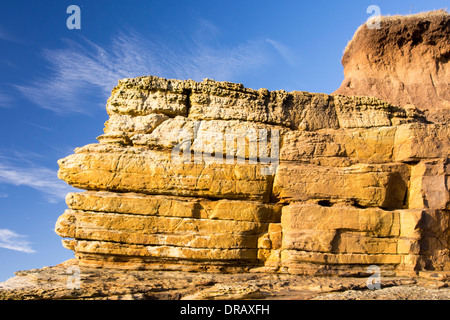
405	62
251	188
212	176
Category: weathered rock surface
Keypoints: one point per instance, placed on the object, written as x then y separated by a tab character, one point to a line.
404	62
213	176
69	281
366	185
134	169
218	178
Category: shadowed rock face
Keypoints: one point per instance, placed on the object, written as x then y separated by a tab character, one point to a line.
213	176
405	62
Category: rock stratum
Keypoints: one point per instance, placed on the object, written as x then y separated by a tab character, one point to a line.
215	178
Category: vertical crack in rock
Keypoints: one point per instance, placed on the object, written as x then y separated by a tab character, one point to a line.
188	93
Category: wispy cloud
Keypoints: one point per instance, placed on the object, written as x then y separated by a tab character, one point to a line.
22	172
284	51
6	36
5	99
11	240
37	125
83	67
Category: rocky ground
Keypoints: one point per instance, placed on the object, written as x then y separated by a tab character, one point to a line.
59	282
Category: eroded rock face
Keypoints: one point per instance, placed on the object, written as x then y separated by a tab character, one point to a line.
405	62
212	176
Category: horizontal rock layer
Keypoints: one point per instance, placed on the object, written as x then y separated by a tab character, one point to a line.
166	206
211	100
366	185
148	171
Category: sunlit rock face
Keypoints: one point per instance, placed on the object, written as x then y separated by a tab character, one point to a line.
213	176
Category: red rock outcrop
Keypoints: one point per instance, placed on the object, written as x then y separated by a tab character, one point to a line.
405	62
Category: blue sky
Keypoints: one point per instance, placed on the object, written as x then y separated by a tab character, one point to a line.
54	82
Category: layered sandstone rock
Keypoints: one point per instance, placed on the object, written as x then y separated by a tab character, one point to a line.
212	176
405	62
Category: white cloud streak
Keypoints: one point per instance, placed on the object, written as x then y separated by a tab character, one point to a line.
39	178
284	51
13	241
83	66
6	36
5	100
